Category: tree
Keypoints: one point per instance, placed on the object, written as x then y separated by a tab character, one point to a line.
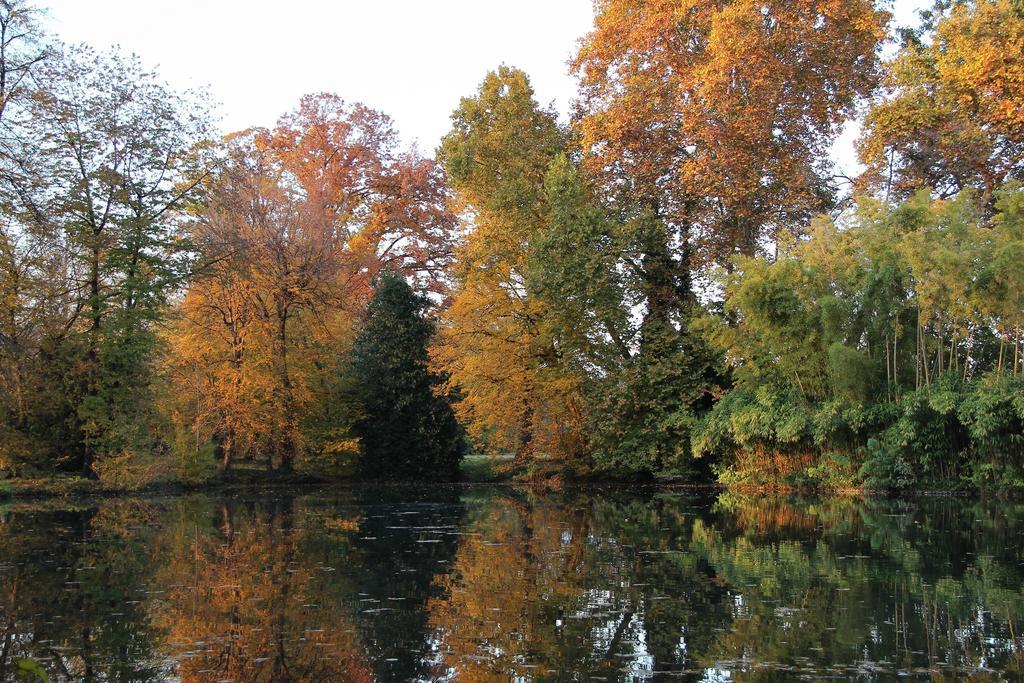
22	48
101	160
291	231
704	128
31	272
889	340
214	359
1000	285
951	115
518	395
619	319
566	333
716	117
408	428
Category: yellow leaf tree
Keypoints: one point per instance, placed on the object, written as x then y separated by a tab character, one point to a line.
517	395
952	111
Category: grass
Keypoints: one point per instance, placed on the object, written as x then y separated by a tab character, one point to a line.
66	485
484	468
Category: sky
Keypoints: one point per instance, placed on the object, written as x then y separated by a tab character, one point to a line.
411	59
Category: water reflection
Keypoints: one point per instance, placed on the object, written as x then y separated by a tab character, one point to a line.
479	584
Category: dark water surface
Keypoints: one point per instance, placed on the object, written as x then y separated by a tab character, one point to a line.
493	583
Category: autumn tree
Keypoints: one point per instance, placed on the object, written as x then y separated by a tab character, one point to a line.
29	272
951	114
118	148
390	206
274	267
407	427
213	354
716	117
575	289
291	231
704	129
105	155
619	324
517	395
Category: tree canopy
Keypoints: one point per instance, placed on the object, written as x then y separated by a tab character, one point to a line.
674	281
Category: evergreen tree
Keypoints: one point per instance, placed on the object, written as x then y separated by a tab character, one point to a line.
407	429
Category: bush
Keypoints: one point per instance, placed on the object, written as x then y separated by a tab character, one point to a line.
337	458
944	435
834	470
130	470
19	453
758	436
886	468
993	417
192	465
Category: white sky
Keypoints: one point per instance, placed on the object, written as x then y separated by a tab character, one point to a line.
411	59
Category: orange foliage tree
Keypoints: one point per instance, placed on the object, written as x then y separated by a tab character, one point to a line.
717	116
292	232
518	396
952	112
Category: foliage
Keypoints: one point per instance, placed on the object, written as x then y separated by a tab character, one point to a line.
680	167
951	117
129	470
30	670
517	394
192	462
103	160
407	428
875	340
482	467
718	115
652	288
885	467
542	336
292	229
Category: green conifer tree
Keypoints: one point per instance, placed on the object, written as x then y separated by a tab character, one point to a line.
408	430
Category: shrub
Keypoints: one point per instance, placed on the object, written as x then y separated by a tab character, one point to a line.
191	464
130	470
886	468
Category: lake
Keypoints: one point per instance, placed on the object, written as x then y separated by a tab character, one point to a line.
481	583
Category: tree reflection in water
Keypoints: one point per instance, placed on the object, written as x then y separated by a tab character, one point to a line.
476	584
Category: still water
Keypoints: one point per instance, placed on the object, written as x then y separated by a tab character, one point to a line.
501	583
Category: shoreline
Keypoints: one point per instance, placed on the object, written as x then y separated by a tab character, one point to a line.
75	488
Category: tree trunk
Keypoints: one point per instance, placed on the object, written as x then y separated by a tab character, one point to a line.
286	443
525	446
895	355
888	370
1016	354
225	451
92	359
